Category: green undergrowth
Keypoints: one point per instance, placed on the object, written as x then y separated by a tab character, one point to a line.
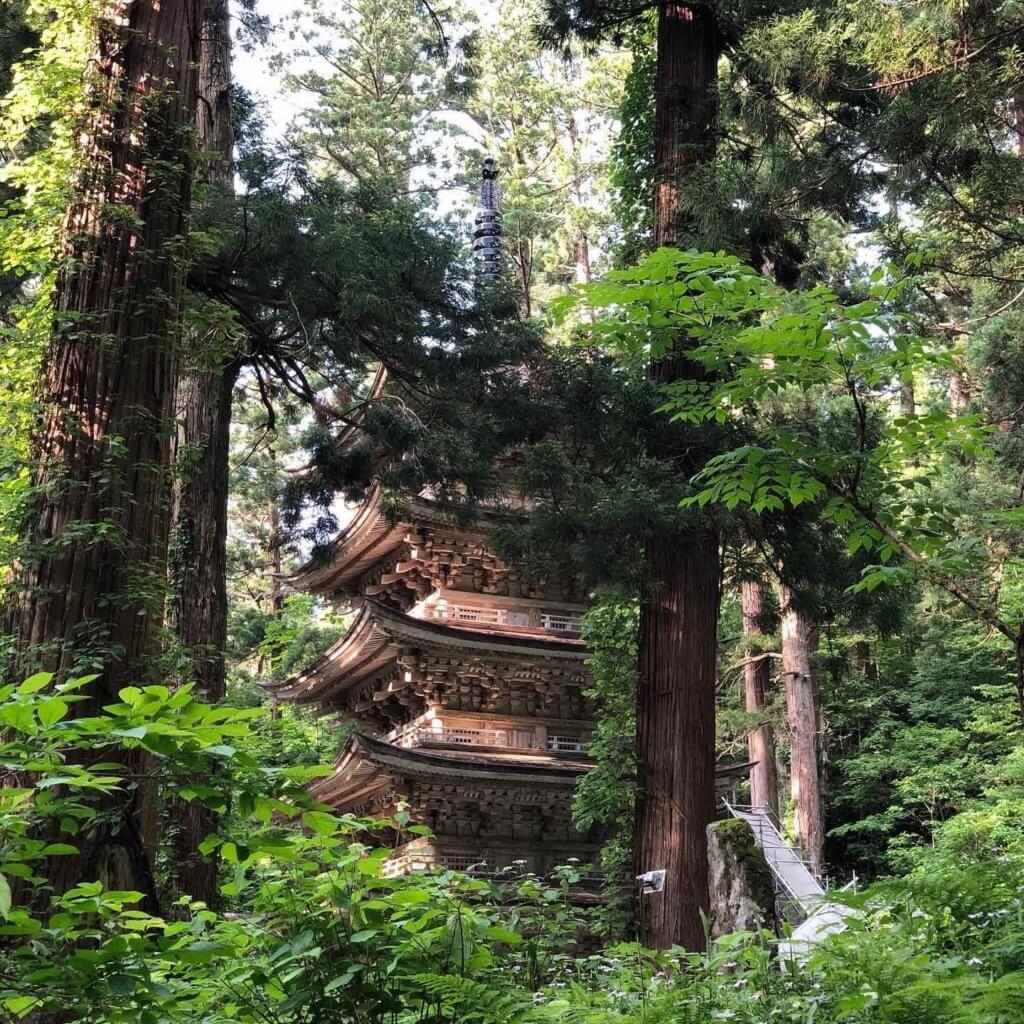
312	929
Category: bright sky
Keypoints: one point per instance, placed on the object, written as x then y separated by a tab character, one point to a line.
253	70
281	108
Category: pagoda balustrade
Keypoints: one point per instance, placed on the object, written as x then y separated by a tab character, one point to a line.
426	731
501	618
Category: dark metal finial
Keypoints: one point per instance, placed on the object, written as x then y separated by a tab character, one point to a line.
487	236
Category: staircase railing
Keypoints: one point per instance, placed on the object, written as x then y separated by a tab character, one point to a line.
792	874
795	881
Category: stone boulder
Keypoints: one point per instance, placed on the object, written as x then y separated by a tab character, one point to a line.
742	896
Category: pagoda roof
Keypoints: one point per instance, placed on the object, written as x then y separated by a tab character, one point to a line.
380	635
372	535
369	765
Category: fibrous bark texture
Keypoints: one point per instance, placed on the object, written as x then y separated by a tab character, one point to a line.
198	563
686	105
764	782
97	540
677	659
803	718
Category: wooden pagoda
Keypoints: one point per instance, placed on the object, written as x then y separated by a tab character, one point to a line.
467	680
465	676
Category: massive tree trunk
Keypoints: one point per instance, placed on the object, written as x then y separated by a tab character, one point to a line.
214	113
803	717
97	539
199	600
677	660
757	675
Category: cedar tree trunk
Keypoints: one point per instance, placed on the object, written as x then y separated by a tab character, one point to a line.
679	616
764	782
95	561
803	717
198	562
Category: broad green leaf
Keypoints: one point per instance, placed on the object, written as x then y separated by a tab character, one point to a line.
52	711
35	683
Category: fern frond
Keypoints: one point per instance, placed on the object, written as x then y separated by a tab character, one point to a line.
472	1002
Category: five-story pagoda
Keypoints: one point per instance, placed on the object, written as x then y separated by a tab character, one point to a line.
467	678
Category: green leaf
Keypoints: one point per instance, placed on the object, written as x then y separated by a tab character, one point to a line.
343	979
35	683
410	897
136	733
321	822
5	898
221	750
20	1005
52	711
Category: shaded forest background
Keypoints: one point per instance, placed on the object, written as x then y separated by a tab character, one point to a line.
763	277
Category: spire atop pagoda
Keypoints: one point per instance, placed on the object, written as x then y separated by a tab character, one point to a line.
487	236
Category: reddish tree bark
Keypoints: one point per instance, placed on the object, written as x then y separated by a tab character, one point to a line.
97	539
679	616
803	718
198	563
757	675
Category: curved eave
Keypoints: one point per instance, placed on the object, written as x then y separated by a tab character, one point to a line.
367	539
368	765
379	633
371	537
364	651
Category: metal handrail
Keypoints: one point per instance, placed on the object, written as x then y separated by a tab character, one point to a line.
765	826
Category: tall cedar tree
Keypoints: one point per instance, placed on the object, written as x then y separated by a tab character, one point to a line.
757	677
679	616
97	536
803	715
198	550
679	610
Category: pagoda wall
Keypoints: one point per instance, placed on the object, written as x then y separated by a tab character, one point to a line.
425	680
479	814
433	559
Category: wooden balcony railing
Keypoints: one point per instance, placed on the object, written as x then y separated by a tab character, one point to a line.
420	734
505	618
423	855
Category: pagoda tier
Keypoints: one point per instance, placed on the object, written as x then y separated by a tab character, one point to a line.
402	561
390	668
480	806
468	681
